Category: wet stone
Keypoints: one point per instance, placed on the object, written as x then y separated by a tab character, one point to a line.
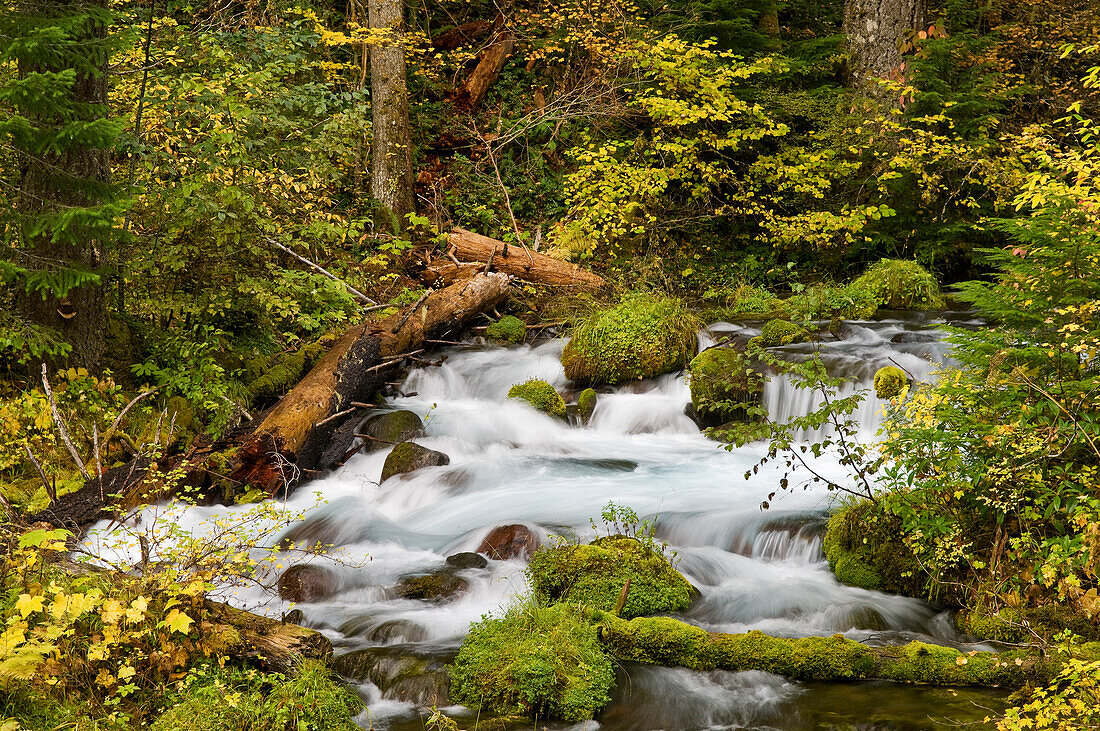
467	560
439	586
307	583
509	541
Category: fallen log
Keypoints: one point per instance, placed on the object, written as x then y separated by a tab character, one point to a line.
295	433
521	263
272	645
670	642
490	62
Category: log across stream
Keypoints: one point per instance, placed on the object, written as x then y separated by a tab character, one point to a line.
512	466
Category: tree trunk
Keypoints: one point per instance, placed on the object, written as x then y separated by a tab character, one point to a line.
61	174
520	263
874	29
490	62
295	432
391	150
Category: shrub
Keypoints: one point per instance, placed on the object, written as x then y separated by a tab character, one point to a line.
541	395
719	376
783	332
902	285
534	661
312	700
890	381
594	575
641	337
747	301
828	302
507	329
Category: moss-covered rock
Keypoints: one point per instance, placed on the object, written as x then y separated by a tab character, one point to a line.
440	586
890	381
720	376
538	662
1021	624
749	301
399	672
902	285
641	337
586	404
508	330
409	457
666	641
541	395
391	427
783	332
864	548
594	576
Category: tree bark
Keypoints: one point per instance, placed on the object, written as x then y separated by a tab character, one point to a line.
295	432
60	177
391	149
874	29
520	263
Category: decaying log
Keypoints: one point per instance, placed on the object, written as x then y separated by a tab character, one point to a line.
490	62
670	642
520	263
79	510
444	272
296	432
463	35
269	643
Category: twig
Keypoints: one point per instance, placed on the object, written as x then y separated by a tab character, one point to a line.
377	307
61	426
374	439
334	417
392	361
322	270
445	342
492	254
118	419
42	474
451	255
361	405
412	311
544	325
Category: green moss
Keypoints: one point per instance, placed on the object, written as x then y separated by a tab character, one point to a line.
902	285
720	376
1022	624
312	699
507	329
666	641
586	404
890	381
641	337
278	378
534	661
783	332
864	549
828	302
749	301
410	456
391	427
541	395
594	576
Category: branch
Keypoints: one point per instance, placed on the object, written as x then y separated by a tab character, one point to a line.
322	270
61	426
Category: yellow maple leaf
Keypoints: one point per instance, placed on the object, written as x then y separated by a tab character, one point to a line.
27	604
136	612
177	621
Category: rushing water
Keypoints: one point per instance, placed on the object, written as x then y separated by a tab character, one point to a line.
510	464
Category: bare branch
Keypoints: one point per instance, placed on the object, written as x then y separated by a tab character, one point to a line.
61	426
322	270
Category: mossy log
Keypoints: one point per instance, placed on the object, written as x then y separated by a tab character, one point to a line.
298	428
666	641
272	645
520	263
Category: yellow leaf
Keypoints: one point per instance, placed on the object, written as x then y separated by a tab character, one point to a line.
136	612
177	621
27	605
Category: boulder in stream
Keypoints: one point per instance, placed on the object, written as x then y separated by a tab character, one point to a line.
509	541
399	673
541	395
721	380
409	457
440	586
467	560
586	404
307	583
391	427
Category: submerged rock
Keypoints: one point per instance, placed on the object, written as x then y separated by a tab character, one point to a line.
441	585
400	673
467	560
409	457
391	427
595	575
586	404
509	541
307	583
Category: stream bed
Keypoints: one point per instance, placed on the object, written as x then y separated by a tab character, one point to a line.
510	464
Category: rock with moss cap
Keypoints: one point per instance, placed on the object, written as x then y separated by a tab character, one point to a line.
720	376
641	337
541	395
890	381
902	285
391	427
409	457
864	549
586	404
537	662
594	575
782	332
508	330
